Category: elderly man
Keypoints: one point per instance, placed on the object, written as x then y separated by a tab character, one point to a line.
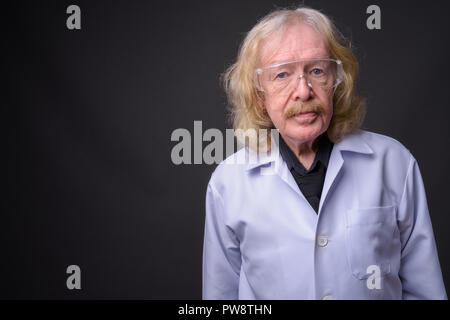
344	213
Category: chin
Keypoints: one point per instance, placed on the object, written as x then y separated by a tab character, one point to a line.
303	133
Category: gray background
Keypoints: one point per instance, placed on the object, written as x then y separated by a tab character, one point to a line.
88	116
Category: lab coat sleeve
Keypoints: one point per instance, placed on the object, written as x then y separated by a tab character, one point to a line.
221	253
420	272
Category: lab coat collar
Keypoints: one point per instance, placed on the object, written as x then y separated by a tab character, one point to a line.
353	142
257	160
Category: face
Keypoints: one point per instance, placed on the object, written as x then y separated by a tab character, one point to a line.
290	112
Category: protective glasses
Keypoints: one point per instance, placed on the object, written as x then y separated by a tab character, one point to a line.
282	78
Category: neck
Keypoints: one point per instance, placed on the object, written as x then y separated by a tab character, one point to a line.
305	151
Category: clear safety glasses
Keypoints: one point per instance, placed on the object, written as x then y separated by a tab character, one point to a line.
282	78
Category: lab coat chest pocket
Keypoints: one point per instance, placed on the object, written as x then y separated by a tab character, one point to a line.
369	239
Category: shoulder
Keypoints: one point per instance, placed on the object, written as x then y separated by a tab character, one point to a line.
376	140
382	147
380	160
230	171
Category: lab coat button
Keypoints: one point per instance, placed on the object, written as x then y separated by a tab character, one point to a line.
322	241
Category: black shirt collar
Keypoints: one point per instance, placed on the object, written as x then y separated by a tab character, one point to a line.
323	155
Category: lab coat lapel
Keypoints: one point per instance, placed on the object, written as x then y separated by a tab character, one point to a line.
286	176
353	143
277	166
283	172
334	166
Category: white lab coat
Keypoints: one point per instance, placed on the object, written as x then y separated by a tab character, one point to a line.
371	239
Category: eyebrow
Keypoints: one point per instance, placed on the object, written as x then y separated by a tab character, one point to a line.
277	63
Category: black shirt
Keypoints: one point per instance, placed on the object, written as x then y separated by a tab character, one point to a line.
310	182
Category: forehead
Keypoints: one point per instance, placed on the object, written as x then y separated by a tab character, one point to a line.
298	41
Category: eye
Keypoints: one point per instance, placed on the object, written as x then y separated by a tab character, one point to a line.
317	71
281	75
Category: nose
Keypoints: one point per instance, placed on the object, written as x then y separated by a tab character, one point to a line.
303	89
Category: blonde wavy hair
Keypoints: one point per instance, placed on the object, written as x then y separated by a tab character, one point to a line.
239	79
